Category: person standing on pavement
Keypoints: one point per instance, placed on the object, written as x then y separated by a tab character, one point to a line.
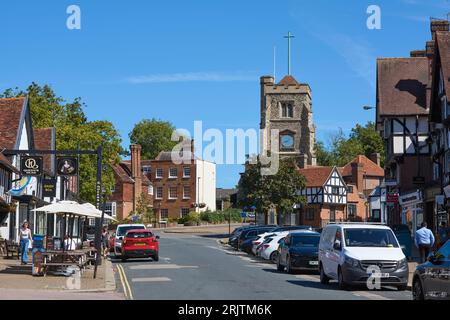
25	239
105	241
424	241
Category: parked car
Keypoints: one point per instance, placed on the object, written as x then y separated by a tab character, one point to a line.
247	236
269	250
348	252
299	250
431	279
121	231
262	238
140	243
291	228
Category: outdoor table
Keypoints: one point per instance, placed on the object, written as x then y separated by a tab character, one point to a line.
64	259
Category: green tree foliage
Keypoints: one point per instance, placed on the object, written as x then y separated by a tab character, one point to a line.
280	189
363	140
154	136
73	130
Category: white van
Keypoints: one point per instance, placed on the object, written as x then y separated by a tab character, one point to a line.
352	253
121	230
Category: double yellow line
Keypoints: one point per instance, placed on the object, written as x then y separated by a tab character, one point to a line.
125	284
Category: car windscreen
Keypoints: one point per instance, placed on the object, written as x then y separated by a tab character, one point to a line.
121	231
366	237
139	235
305	241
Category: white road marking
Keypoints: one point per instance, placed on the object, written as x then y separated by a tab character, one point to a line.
369	295
153	279
160	266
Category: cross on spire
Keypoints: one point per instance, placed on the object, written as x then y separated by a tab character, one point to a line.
289	37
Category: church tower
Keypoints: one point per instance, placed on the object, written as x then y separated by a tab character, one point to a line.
287	106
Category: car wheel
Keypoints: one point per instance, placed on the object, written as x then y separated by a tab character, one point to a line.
156	257
288	266
417	290
279	266
341	283
323	277
274	256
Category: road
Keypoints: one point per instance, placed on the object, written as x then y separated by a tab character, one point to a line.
193	267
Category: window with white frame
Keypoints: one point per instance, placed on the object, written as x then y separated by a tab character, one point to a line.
186	172
173	193
159	173
186	192
150	190
173	173
159	192
146	170
110	209
184	212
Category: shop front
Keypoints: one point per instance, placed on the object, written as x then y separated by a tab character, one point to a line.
412	206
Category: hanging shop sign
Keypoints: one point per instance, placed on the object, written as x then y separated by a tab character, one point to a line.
31	166
49	188
410	198
67	166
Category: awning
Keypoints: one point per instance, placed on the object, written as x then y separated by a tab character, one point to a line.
67	207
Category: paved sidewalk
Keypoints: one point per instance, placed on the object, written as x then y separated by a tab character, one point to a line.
17	282
203	229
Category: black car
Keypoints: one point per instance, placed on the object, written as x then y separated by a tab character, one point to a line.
250	234
299	251
234	237
432	279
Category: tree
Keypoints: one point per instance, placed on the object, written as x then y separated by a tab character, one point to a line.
154	136
363	140
143	208
74	130
280	189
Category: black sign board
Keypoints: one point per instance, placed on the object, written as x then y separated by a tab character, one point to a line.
419	180
31	166
49	188
67	166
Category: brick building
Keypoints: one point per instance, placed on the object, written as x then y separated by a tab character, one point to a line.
131	182
175	189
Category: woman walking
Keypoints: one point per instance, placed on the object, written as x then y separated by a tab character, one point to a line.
105	241
25	239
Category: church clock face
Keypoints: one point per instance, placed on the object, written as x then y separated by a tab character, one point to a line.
287	142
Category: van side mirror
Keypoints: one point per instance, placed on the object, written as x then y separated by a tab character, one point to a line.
157	237
337	245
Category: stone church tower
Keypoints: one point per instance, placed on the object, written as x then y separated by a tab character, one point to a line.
287	106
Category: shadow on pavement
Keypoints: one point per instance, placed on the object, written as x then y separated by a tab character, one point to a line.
215	236
17	270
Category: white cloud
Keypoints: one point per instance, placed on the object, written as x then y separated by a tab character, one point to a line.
193	77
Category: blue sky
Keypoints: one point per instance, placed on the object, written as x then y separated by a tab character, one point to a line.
193	60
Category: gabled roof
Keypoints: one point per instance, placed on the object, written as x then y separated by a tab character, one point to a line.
167	156
12	114
44	139
123	171
368	166
443	46
401	86
289	81
316	176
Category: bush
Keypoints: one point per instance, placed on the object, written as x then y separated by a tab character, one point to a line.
221	216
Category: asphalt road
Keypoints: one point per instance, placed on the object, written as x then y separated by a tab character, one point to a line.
199	268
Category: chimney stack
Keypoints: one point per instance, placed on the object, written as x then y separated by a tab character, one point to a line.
376	158
358	175
136	174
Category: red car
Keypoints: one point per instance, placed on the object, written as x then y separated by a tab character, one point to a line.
141	243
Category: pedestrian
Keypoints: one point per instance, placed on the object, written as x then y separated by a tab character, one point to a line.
105	241
444	233
25	240
424	241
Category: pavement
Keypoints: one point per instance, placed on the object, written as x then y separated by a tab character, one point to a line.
199	267
217	229
17	282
